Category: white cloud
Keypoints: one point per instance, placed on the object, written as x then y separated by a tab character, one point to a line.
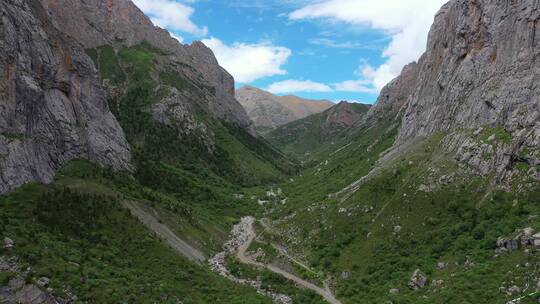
171	15
407	22
249	62
294	86
177	37
356	86
334	44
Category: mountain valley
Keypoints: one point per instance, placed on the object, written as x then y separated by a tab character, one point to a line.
132	171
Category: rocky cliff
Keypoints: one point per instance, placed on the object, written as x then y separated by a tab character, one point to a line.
120	23
477	83
53	108
269	111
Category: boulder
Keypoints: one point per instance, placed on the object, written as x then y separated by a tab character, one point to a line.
8	243
505	244
43	281
442	265
514	290
394	291
345	275
31	294
536	240
418	280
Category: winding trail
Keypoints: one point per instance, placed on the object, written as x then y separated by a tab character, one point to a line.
326	293
179	245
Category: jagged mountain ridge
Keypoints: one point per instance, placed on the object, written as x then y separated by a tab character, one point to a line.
270	111
155	81
53	108
120	23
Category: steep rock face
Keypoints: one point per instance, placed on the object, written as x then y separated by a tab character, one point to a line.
480	69
393	98
267	110
53	108
478	82
121	23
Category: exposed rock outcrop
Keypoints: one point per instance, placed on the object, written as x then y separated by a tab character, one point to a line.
523	239
52	106
392	100
19	289
418	280
270	111
480	70
120	23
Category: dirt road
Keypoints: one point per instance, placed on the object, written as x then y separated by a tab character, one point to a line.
179	245
241	254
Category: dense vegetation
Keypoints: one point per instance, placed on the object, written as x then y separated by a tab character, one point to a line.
88	244
418	210
204	168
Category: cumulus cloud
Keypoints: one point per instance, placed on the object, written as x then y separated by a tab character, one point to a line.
249	62
171	15
294	86
407	22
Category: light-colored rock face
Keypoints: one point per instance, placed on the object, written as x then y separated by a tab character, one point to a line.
101	22
121	23
480	70
393	98
270	111
52	107
263	108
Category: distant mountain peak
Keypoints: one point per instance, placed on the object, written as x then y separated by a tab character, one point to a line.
269	111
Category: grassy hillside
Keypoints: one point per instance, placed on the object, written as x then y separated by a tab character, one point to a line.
77	233
203	168
415	211
306	136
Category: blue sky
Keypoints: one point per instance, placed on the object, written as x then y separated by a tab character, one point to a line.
319	49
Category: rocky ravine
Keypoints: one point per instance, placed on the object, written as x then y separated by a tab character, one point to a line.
241	237
52	107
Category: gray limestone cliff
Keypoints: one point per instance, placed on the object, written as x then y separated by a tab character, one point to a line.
52	106
478	82
120	23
